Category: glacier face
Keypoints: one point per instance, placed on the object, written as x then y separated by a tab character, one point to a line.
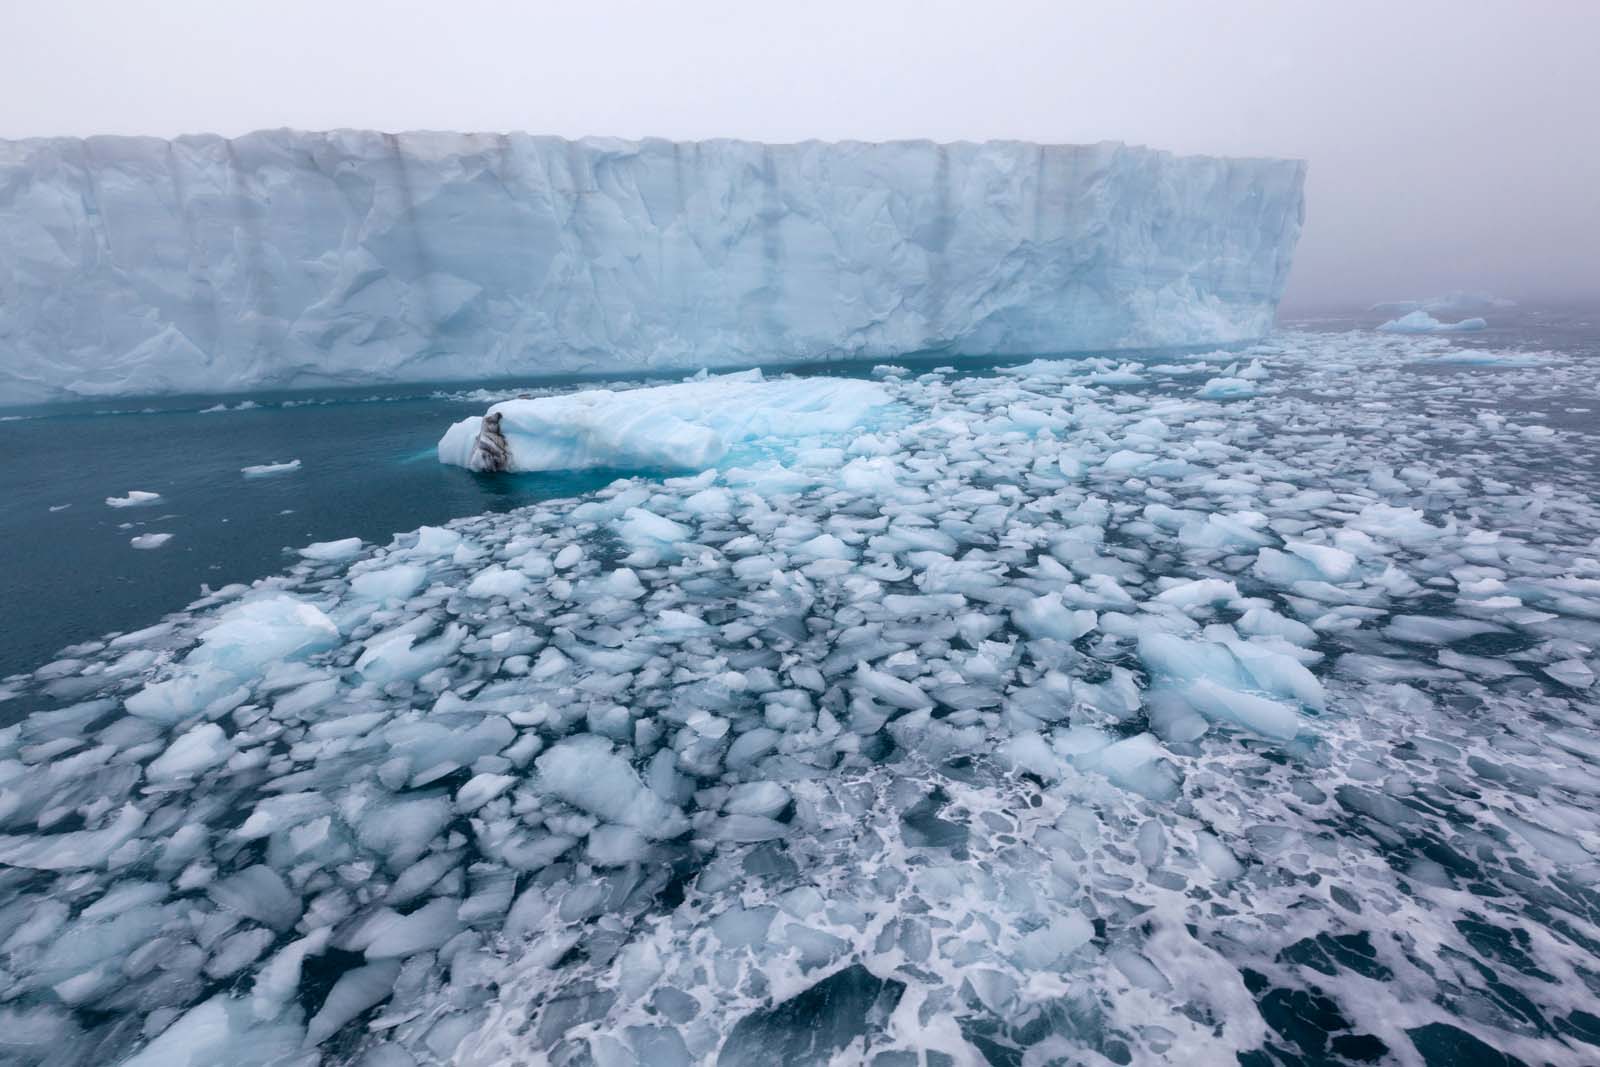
282	258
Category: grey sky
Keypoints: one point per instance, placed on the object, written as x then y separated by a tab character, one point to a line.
1452	145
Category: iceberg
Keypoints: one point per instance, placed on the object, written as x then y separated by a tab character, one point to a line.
1422	322
292	259
687	426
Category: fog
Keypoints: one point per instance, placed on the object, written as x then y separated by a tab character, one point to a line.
1451	145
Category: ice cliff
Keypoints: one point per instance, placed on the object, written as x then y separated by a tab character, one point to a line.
282	258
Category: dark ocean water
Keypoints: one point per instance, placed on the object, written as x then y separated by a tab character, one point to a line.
368	470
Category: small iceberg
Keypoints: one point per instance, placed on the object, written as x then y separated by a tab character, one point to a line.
688	426
135	498
1227	389
150	540
1422	322
262	470
332	551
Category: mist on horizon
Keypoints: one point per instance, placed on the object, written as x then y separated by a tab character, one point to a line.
1449	147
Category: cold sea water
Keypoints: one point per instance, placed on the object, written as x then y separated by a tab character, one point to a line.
1205	707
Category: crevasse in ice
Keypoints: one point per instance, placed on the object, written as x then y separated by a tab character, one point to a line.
203	264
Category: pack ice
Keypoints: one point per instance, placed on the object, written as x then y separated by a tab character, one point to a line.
1081	713
683	427
203	264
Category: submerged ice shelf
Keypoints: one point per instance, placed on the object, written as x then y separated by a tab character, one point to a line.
1082	714
285	259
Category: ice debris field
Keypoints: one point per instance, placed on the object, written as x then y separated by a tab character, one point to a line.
1233	708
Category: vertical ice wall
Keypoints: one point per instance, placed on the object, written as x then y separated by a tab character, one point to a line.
132	265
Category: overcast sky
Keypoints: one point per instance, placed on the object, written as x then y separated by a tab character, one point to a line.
1452	145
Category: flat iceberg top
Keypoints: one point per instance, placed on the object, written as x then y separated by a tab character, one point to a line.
282	258
688	426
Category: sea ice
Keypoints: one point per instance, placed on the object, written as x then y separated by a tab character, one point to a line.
856	747
333	551
688	426
1227	389
135	498
1422	322
262	470
586	773
221	1030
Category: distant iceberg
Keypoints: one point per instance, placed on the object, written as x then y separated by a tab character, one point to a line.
203	264
1454	303
684	427
1422	322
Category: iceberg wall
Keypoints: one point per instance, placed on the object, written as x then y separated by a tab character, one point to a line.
282	258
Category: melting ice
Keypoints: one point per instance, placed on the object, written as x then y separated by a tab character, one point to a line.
1086	712
686	426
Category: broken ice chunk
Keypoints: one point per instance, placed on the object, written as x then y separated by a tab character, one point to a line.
687	426
135	498
585	772
263	470
332	551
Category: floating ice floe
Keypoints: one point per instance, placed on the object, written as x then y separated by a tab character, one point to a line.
135	498
1227	389
1422	322
345	548
262	470
150	540
683	427
1478	357
1056	720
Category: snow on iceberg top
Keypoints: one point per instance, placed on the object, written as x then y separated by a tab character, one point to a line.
688	426
290	259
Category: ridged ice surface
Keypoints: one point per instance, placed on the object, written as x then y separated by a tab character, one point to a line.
1237	706
283	258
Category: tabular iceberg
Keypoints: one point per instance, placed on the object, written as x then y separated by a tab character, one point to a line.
283	258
